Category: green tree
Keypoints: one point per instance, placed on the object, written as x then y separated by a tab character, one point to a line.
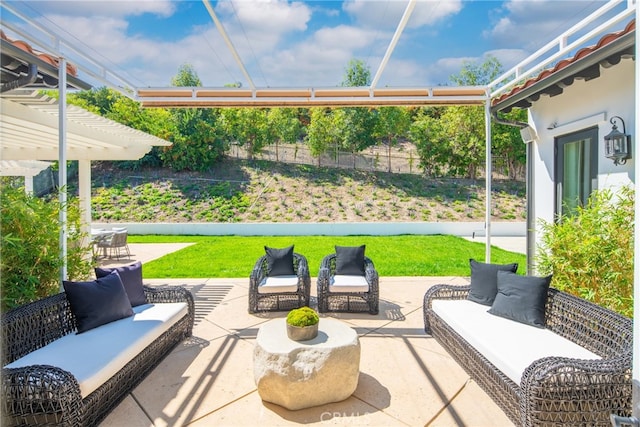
186	77
477	74
322	132
507	146
199	141
249	127
589	252
460	133
357	73
428	137
98	101
119	108
392	125
30	262
358	123
285	126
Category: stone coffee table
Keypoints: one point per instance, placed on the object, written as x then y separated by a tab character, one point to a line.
302	374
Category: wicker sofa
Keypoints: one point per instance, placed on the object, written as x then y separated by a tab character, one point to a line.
40	394
552	390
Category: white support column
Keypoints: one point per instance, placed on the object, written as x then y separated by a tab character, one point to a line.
636	245
84	192
487	130
62	167
28	184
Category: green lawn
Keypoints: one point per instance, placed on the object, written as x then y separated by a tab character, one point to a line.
407	255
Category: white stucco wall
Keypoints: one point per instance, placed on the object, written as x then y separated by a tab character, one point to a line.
582	105
328	229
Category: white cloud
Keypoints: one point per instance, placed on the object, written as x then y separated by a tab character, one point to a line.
531	24
319	60
114	8
508	57
387	14
402	73
267	16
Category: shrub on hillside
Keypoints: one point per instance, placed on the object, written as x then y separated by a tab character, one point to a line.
590	252
29	247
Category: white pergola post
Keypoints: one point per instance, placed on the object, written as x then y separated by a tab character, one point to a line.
636	245
84	192
62	166
28	184
487	131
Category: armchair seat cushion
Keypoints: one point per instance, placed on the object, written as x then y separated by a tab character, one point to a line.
277	284
348	283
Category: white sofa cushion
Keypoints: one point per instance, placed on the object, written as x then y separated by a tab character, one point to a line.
510	346
277	284
348	283
98	354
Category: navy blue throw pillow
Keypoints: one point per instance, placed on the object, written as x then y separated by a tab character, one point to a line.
131	276
98	302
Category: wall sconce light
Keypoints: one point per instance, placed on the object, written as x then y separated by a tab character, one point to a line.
617	145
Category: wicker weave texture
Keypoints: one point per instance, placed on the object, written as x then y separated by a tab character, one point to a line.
279	301
46	395
553	391
349	302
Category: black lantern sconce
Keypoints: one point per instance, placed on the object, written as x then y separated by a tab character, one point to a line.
617	145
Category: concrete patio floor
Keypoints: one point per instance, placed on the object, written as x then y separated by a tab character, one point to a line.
406	377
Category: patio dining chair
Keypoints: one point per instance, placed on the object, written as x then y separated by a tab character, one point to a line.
348	282
279	281
116	244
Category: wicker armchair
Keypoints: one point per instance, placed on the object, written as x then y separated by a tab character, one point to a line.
279	293
554	391
331	298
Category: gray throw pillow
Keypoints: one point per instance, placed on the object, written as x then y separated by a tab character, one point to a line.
279	261
522	298
131	276
484	280
96	303
350	260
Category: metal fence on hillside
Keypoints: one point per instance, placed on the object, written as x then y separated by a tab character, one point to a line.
402	160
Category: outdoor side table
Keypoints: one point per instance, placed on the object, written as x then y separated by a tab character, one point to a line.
302	374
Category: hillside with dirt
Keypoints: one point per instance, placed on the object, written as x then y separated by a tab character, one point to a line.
264	191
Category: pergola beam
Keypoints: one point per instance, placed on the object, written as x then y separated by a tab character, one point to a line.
202	97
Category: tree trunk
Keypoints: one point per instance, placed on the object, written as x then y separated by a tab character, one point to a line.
389	153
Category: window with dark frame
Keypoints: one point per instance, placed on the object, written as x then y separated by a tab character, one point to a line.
576	169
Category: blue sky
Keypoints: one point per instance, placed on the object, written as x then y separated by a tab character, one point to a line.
304	43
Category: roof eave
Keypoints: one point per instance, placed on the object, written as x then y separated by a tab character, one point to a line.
525	97
43	66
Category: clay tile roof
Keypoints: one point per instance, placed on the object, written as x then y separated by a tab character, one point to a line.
49	59
580	54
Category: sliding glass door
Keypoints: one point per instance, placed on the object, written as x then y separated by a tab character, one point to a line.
576	169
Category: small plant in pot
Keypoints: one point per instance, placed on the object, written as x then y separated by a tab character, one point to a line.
302	324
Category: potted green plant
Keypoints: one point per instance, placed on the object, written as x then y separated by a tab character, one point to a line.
302	324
